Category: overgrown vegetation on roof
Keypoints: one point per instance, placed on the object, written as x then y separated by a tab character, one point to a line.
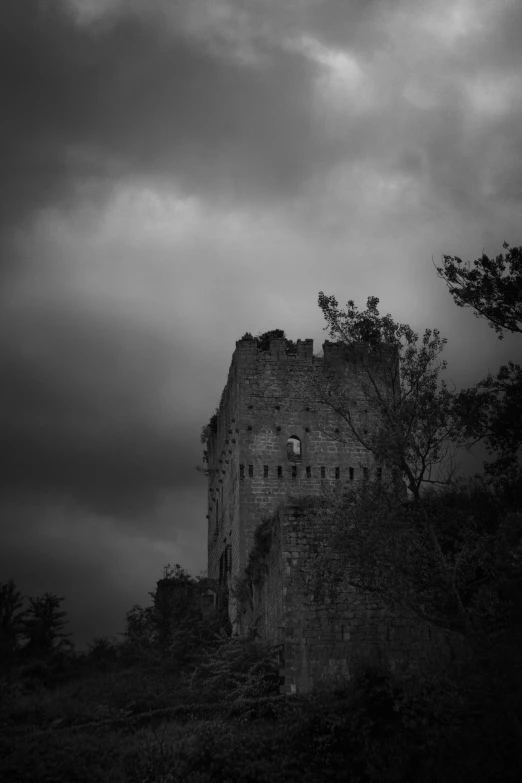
265	337
263	340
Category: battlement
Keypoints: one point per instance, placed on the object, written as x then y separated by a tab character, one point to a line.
249	348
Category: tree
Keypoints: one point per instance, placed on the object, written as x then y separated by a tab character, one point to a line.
492	286
183	630
492	410
11	620
443	556
384	545
386	387
43	622
140	627
102	651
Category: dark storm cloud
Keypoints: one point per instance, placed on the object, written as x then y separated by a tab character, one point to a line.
132	98
360	24
94	106
448	109
81	418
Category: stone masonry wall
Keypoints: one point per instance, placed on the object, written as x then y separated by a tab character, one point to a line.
328	636
223	480
332	635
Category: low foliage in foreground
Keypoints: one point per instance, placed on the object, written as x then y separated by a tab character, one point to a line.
227	722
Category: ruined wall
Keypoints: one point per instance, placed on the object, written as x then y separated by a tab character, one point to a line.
331	635
325	636
176	600
223	481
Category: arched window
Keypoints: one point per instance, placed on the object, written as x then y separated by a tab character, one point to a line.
293	449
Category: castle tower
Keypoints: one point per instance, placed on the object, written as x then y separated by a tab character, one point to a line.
270	440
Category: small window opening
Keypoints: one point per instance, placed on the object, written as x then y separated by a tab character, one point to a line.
365	474
241	471
338	473
250	471
323	472
379	474
308	472
351	473
265	471
293	449
294	471
279	471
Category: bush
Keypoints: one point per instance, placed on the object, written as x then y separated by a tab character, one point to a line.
238	668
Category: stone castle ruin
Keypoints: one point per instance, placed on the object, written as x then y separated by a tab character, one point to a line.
271	441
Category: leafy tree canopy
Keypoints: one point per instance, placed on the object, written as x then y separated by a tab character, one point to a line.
491	286
395	404
492	410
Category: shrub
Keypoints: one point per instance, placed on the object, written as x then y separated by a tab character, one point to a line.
239	668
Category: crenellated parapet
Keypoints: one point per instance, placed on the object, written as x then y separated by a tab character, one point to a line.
249	349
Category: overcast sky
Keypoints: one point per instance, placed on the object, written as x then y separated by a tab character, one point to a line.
178	172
